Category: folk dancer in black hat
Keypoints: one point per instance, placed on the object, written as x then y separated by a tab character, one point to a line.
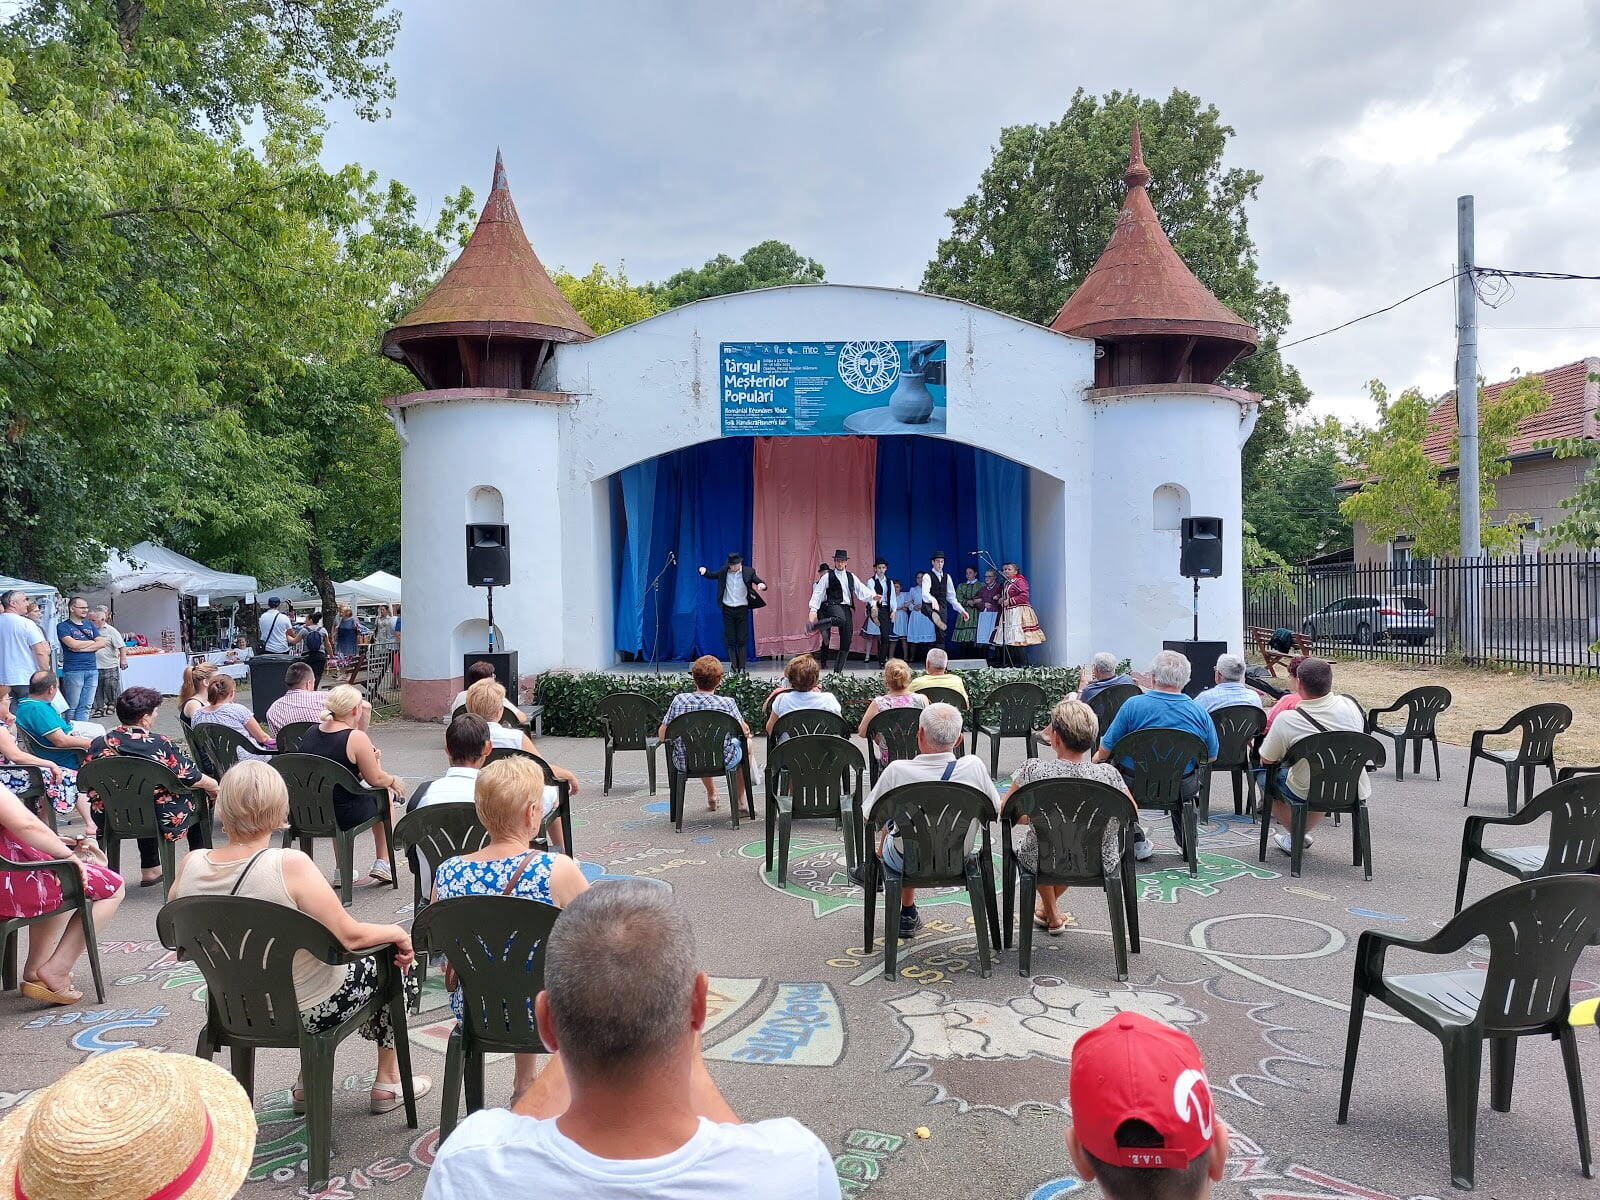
880	610
942	595
833	599
739	591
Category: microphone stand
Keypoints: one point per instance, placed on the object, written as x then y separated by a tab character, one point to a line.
655	586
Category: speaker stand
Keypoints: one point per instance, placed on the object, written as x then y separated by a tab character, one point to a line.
491	617
1195	607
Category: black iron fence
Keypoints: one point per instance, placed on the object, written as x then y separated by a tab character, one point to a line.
1537	610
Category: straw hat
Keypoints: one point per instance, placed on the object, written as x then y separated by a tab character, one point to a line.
130	1125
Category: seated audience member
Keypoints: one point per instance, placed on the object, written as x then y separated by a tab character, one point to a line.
936	673
1230	687
60	749
897	693
485	699
466	746
192	692
478	671
137	1123
803	691
1072	732
626	1107
1102	673
707	674
300	700
60	783
1291	698
135	737
253	808
222	707
938	731
1319	711
509	797
1143	1123
339	738
56	943
1164	706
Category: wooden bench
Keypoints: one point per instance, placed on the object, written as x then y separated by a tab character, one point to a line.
1261	638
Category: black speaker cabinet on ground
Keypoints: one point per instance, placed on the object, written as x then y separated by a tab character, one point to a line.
1201	556
489	555
1202	658
505	668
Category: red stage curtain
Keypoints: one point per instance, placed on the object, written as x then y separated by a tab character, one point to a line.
813	495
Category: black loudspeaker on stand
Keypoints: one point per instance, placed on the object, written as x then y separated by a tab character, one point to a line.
1201	553
488	555
1202	658
505	667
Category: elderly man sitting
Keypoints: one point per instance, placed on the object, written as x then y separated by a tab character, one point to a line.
1320	711
1101	674
1230	686
936	673
938	731
1164	706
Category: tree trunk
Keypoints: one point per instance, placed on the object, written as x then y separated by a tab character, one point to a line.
321	581
129	14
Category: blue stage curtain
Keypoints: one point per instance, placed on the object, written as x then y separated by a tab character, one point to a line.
1000	488
925	502
697	502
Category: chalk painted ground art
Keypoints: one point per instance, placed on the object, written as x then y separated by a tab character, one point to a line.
859	1164
817	875
1165	886
803	1026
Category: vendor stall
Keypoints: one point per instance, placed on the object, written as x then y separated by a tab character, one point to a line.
151	667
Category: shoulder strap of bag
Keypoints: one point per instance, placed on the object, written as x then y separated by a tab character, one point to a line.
949	770
239	882
1310	720
516	876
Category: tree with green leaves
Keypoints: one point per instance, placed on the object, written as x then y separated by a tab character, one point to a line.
607	300
1293	507
767	264
1404	493
1045	206
1580	527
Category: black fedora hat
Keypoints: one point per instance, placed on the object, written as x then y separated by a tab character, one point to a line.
841	556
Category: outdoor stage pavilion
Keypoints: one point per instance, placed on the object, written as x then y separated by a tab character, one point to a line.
788	422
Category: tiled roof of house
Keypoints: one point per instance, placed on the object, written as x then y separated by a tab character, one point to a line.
1574	398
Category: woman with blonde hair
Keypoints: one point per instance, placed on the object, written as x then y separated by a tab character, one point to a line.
1073	732
487	699
508	799
192	695
253	806
339	737
897	693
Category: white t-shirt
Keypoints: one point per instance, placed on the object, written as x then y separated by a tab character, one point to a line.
18	637
788	702
495	1152
1332	712
275	624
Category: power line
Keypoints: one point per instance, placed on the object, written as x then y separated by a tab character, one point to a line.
1378	312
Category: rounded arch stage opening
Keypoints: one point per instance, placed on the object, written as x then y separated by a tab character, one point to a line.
787	504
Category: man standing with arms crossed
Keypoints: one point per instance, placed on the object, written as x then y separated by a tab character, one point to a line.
111	660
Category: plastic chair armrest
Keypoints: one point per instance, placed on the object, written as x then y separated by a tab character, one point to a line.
65	870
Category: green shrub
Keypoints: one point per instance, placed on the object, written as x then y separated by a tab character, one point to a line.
571	698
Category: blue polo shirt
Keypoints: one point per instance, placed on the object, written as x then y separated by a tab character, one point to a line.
76	660
40	718
1162	710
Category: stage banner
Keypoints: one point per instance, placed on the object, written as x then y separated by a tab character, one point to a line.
821	389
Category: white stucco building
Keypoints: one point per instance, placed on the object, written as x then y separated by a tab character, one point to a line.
527	416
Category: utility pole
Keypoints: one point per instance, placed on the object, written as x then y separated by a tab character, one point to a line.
1467	424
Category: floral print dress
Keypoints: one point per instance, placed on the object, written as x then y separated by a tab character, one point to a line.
464	877
34	893
173	812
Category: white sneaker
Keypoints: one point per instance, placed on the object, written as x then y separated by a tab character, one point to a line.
380	871
1284	842
1142	849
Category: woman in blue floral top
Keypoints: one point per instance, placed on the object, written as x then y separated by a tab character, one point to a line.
508	796
707	673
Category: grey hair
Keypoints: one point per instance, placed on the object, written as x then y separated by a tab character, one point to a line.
1230	667
619	976
937	661
941	724
99	610
1170	669
1104	664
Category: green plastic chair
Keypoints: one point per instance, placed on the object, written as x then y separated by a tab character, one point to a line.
1422	707
245	948
126	788
897	729
496	945
1070	819
222	746
563	812
803	722
289	736
1573	846
1536	931
701	735
1239	729
426	837
1161	760
1011	710
933	819
1338	761
1538	726
37	748
945	695
197	750
73	900
628	721
1108	701
812	777
312	781
35	797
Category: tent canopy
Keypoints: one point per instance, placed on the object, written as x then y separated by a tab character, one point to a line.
148	565
378	588
9	583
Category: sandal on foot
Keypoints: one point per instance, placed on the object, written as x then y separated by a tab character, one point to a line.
1058	928
388	1097
35	989
297	1096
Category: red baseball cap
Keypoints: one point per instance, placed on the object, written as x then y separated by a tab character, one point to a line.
1135	1069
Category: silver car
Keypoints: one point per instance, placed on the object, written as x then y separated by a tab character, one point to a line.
1367	619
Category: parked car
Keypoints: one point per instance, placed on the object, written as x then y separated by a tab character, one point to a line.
1367	619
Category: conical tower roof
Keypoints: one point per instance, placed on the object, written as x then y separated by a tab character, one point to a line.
1140	288
496	287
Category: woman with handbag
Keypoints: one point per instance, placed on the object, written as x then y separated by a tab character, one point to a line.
509	799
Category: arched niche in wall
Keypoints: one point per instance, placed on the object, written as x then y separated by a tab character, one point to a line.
472	637
1169	505
485	506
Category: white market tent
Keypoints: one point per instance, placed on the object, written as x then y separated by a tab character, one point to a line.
378	588
146	580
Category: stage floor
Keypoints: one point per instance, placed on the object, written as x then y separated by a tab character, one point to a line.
772	668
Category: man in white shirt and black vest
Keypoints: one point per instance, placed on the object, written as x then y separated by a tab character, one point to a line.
739	591
942	595
833	602
880	611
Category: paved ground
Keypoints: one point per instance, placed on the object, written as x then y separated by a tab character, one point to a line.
1254	964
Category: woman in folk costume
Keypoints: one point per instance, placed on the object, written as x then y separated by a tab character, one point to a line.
988	605
1020	624
966	630
924	623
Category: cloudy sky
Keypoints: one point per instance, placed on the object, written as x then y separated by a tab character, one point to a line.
658	134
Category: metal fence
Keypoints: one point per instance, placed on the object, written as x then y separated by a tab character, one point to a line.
1540	611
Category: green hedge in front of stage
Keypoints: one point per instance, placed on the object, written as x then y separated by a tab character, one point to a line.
571	698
